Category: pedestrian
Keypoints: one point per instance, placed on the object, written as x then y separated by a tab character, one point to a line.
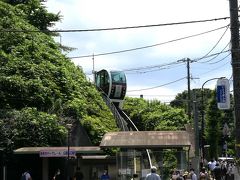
135	176
203	175
105	175
26	176
230	174
78	174
217	172
193	174
174	174
211	166
57	175
186	175
153	174
224	169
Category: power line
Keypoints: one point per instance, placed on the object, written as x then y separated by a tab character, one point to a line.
151	67
221	59
216	55
149	46
165	95
117	28
196	59
174	63
161	66
215	44
157	86
214	69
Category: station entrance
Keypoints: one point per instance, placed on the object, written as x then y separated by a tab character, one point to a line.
135	163
139	150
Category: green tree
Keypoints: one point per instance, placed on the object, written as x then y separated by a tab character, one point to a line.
135	108
154	115
30	127
214	119
181	100
35	13
34	74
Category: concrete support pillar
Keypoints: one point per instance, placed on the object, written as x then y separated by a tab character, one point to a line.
45	173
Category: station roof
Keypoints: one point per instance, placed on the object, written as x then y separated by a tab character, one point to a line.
146	139
78	149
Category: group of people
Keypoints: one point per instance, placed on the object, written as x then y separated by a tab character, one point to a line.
215	171
222	170
78	175
177	175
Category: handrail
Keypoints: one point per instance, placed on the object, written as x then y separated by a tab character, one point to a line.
121	118
135	127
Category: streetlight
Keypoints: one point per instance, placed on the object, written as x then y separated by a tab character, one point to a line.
69	126
202	123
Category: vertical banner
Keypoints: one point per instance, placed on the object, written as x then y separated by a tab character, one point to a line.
223	94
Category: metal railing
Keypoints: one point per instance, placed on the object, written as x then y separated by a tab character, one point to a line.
122	120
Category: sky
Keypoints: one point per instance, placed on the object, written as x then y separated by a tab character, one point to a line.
154	58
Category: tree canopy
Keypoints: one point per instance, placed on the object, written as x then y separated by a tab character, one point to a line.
37	80
154	115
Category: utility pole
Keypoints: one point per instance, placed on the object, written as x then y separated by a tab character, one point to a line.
189	89
196	131
234	25
93	70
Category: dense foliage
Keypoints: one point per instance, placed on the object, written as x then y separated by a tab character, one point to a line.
154	115
30	127
214	121
37	82
35	13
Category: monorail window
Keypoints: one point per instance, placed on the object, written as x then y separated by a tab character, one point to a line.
118	77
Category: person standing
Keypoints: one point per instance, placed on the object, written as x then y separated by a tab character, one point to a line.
211	166
78	174
193	174
105	176
203	175
153	174
57	175
217	172
230	173
26	176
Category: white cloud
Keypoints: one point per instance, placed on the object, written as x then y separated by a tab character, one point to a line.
89	14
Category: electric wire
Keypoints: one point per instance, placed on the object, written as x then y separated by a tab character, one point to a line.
116	28
211	55
158	85
216	43
183	77
154	70
165	95
169	65
221	59
203	62
148	46
151	67
161	66
214	69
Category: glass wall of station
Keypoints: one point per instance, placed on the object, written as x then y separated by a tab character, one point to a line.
135	163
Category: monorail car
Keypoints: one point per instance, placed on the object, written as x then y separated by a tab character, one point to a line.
113	84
